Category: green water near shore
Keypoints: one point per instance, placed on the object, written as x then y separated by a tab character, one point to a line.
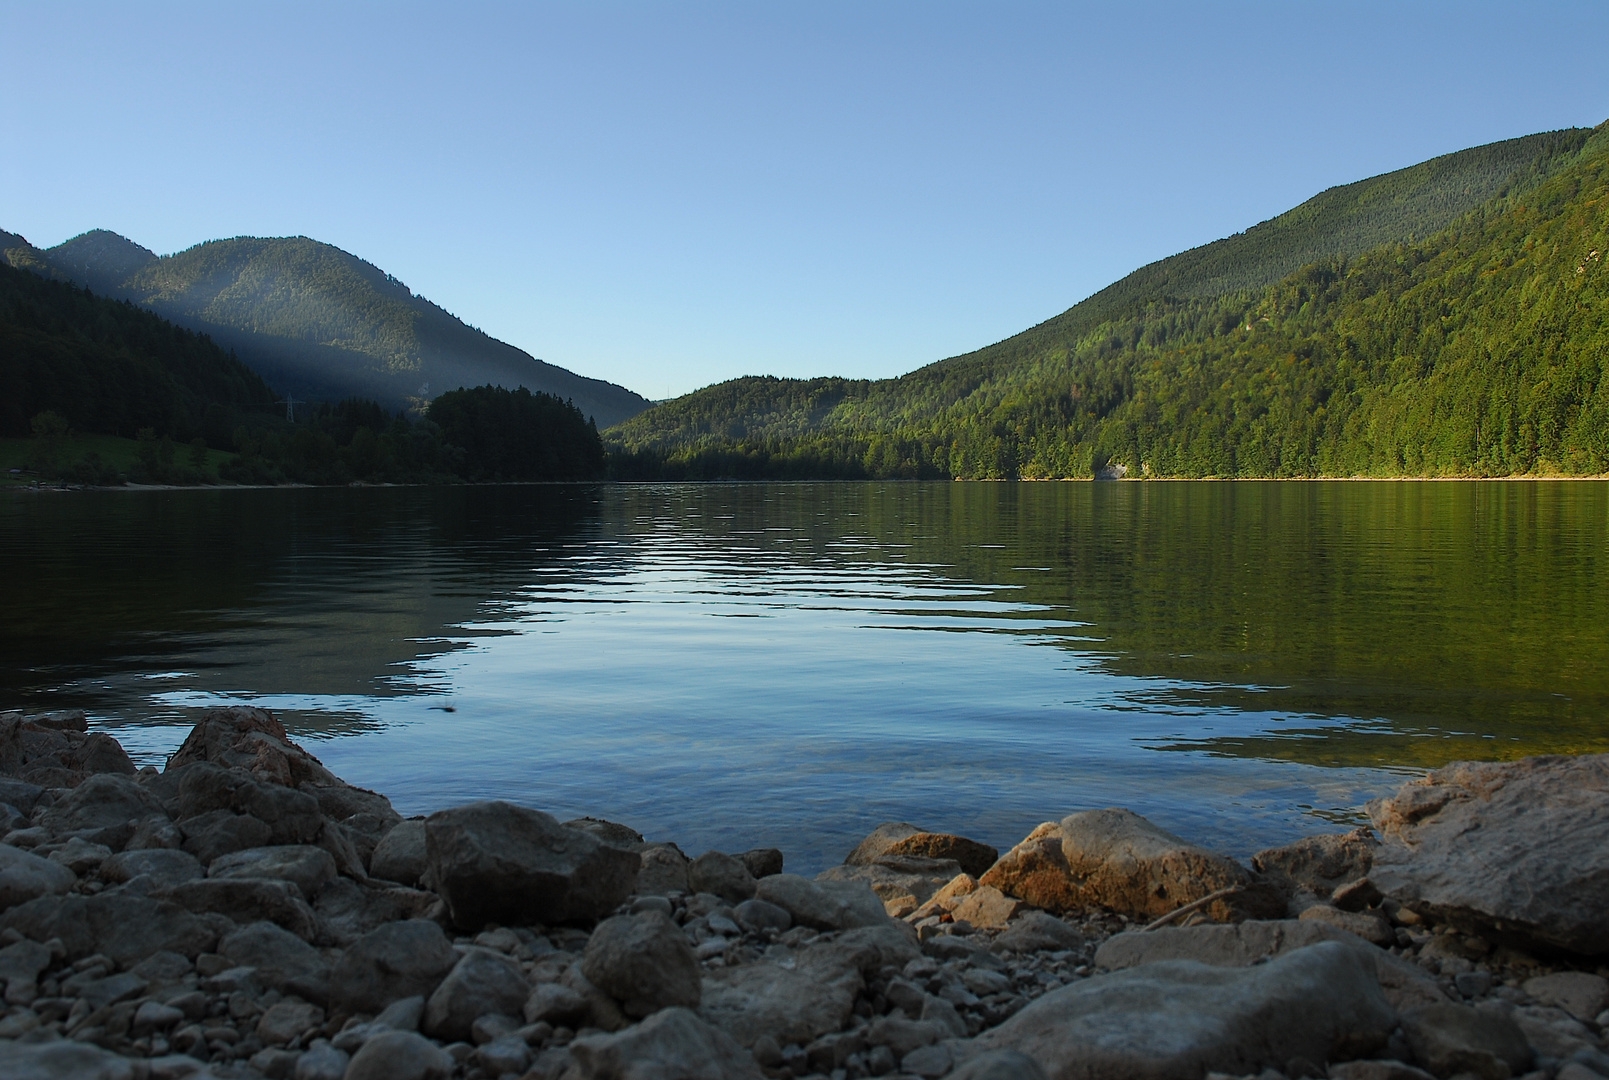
731	664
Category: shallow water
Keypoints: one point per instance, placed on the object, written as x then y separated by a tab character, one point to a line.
790	664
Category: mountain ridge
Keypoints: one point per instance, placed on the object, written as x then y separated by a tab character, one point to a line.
1065	396
313	319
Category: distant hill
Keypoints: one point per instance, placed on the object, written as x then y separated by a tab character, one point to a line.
314	320
1153	371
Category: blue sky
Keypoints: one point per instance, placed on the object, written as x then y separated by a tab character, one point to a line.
666	195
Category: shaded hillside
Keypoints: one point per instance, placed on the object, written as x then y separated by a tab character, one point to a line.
1189	366
110	367
315	320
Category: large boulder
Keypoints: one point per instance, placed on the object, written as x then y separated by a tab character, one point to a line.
1244	944
347	910
400	855
662	869
249	738
720	874
104	809
902	882
483	983
1180	1019
62	1059
901	839
308	868
823	905
162	868
399	1055
283	961
1512	849
799	996
1319	864
123	927
644	962
1116	859
25	876
249	900
56	750
396	961
497	862
673	1043
1452	1040
292	817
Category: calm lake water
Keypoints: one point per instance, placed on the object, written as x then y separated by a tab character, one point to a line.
789	664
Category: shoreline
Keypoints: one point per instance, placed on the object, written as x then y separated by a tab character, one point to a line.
245	913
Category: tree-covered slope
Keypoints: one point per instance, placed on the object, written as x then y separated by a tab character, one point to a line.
315	320
112	368
1347	336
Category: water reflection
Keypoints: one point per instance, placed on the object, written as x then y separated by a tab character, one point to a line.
734	664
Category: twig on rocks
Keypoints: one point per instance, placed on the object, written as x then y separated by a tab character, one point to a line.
1190	908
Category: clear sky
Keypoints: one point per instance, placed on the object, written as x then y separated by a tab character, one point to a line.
670	194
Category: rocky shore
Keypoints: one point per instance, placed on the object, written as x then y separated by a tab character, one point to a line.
245	913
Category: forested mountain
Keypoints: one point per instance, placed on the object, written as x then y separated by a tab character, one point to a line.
314	320
1435	320
112	368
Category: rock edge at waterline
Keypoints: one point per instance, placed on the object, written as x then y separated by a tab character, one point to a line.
245	913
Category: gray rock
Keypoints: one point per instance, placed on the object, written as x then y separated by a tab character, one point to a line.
504	1055
396	961
1405	985
250	740
125	928
285	1020
292	817
25	876
483	982
1320	864
166	867
497	862
554	1003
322	1062
1116	859
1383	1069
1581	995
103	809
762	915
1036	931
671	1043
249	900
19	793
21	962
608	832
109	990
1370	926
1519	849
347	910
880	840
644	962
61	1060
309	868
823	905
218	832
902	1035
11	819
902	883
762	862
400	855
930	1062
80	856
154	1016
399	1055
800	996
1452	1039
720	875
898	839
283	961
1180	1019
999	1065
662	869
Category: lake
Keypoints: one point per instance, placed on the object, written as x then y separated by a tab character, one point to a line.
738	665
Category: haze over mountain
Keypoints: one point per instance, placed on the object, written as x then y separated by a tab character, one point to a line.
313	320
1360	332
